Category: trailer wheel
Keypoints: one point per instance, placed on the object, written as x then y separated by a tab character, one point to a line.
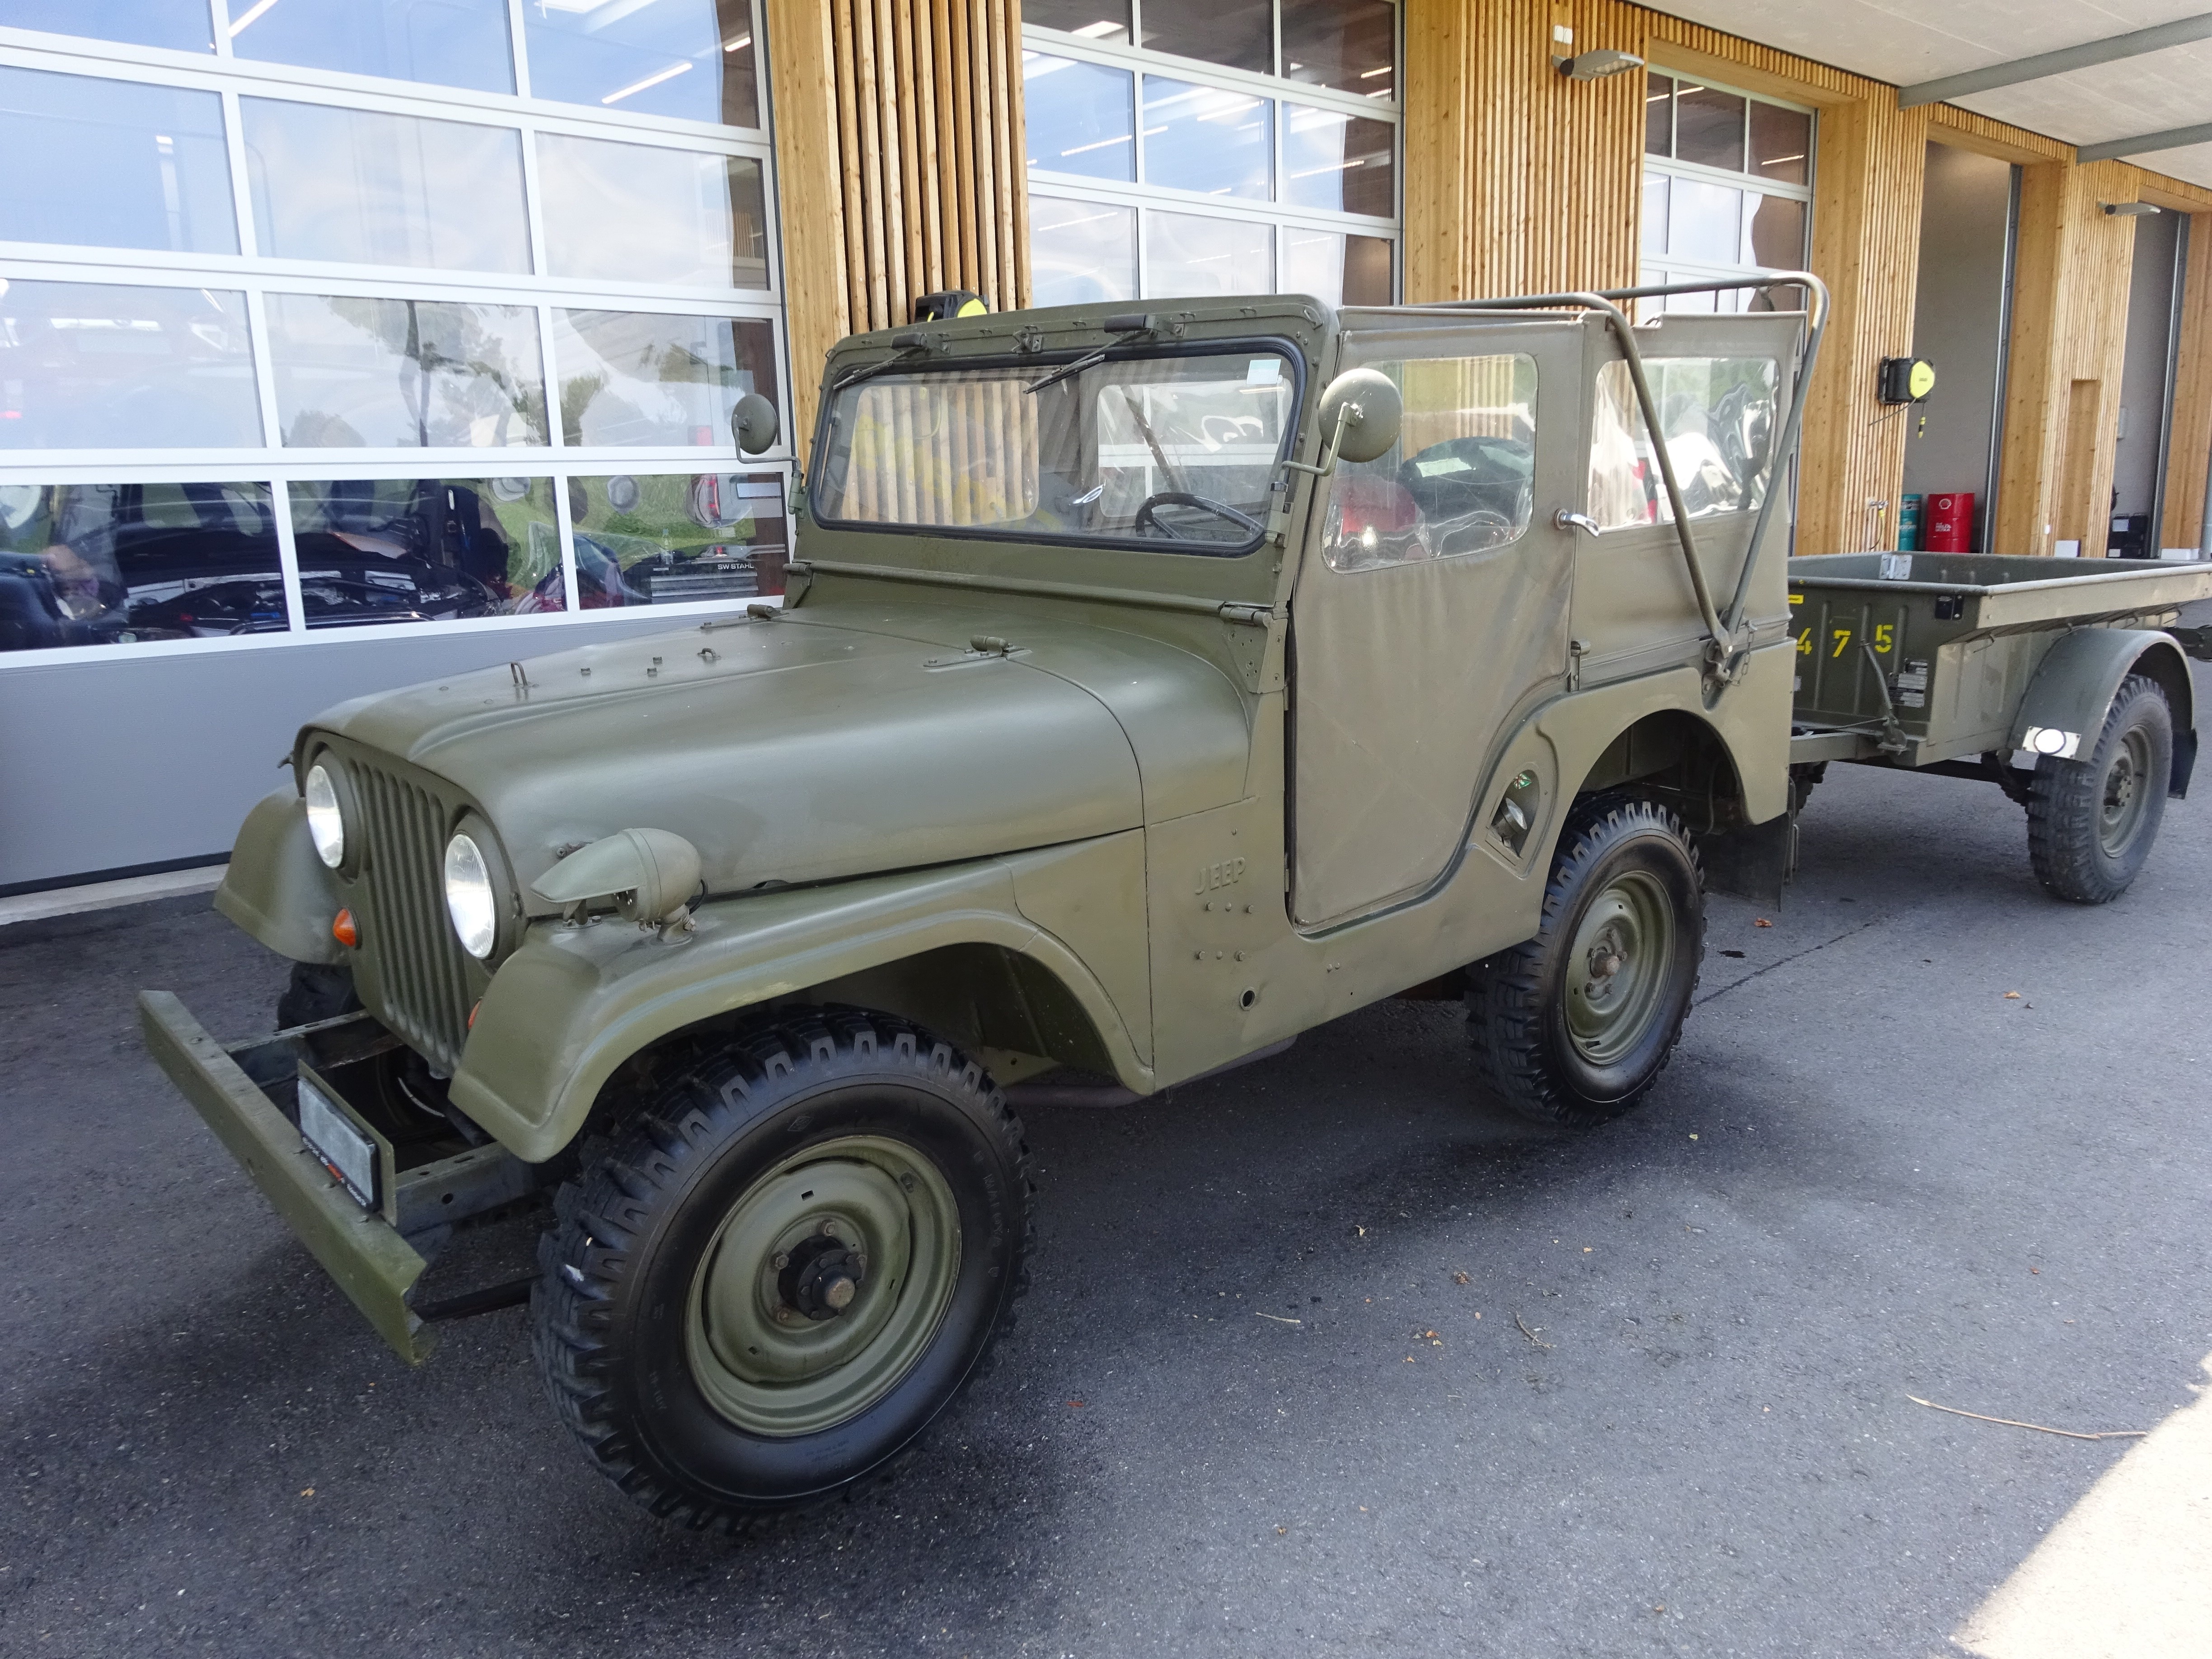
2091	822
766	1283
1575	1026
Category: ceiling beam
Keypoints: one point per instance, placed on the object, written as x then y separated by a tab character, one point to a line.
2172	139
2135	44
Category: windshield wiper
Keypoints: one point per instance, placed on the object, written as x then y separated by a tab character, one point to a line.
1066	370
906	345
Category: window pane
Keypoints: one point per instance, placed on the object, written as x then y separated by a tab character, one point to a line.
1719	415
1206	139
405	373
666	540
1095	19
1703	222
1781	142
111	563
1340	270
113	164
628	378
386	190
1351	44
448	43
1080	251
1774	235
1338	161
1654	212
634	213
426	550
1459	479
1708	128
1097	455
1240	34
181	25
1189	255
1079	117
683	57
1659	115
96	366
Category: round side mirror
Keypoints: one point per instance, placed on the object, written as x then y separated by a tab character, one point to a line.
1370	408
753	423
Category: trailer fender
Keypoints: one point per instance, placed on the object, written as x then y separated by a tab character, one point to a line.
2073	690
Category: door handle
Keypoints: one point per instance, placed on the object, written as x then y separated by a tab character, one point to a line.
1567	518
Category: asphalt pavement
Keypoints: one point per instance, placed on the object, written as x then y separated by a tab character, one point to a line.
1329	1356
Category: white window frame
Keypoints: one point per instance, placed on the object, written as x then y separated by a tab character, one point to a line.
1282	217
1656	268
276	467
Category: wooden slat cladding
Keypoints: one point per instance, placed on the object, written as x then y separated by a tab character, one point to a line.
1517	180
898	128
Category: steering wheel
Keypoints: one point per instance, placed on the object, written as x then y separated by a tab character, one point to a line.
1184	498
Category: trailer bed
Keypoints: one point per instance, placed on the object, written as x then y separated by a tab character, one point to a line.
1917	659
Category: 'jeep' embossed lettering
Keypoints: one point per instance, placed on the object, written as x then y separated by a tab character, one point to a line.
1226	873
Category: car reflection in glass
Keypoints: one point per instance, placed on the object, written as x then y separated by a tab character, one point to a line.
424	550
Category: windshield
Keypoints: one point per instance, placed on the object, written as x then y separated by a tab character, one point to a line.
1174	454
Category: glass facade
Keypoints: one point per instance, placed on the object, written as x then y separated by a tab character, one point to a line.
380	313
1726	188
1243	147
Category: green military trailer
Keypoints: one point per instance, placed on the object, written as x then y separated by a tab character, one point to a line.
1966	662
1152	686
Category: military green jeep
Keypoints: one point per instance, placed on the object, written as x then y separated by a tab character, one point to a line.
1150	689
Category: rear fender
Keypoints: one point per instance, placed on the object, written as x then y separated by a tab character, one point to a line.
2074	688
276	888
572	1004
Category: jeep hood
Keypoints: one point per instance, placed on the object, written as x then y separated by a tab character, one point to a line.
785	753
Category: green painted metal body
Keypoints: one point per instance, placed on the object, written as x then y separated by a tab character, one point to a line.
1067	805
1958	655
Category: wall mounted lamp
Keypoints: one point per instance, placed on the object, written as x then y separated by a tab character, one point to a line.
2130	210
1596	65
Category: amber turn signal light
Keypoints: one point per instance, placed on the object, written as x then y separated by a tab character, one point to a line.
473	1010
344	931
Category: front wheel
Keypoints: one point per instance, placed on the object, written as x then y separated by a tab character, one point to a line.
1575	1026
766	1283
2091	822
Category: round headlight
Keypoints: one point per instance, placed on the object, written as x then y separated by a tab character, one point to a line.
325	821
470	898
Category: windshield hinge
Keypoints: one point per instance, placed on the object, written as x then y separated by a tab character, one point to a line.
1248	615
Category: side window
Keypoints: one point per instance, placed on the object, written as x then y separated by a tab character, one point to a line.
1718	413
1458	479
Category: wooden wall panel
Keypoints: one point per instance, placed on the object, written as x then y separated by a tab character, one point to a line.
2069	345
897	127
2189	450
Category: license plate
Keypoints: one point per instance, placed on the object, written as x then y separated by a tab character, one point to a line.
337	1146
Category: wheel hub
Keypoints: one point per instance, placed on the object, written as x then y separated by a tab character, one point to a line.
1624	945
821	1277
826	1281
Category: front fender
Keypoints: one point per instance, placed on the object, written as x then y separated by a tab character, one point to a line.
2075	685
573	1003
275	887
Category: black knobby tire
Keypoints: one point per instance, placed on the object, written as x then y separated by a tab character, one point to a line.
2091	822
316	991
1559	1034
649	1239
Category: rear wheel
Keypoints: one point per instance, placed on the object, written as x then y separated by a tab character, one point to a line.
2091	822
763	1287
1575	1026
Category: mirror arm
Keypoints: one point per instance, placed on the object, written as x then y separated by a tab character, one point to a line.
1345	414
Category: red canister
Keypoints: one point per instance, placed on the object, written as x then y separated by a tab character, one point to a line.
1948	523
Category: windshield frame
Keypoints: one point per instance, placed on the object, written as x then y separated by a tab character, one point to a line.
1038	364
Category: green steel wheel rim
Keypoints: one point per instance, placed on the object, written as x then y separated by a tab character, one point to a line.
824	1284
2125	795
1618	969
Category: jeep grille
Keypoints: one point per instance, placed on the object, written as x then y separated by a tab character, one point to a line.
420	967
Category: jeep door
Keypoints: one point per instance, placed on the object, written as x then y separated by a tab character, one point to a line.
1431	610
